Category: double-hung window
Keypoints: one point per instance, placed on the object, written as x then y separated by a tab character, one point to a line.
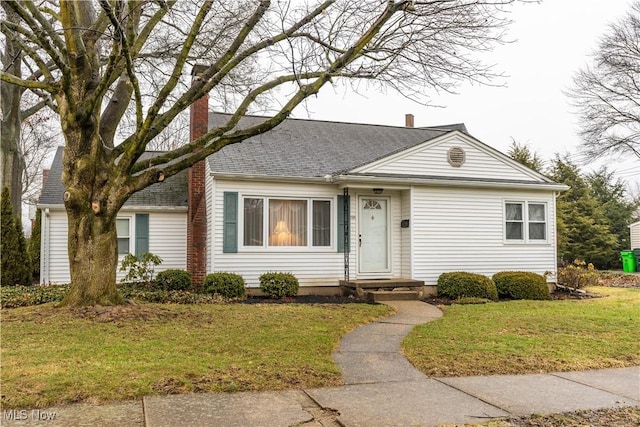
525	222
123	230
280	222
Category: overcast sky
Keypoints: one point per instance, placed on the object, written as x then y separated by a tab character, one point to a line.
553	40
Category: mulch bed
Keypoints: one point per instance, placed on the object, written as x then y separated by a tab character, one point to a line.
304	299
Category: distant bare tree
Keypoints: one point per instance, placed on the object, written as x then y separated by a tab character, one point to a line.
21	108
40	133
606	94
256	54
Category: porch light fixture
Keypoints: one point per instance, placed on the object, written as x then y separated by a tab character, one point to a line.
377	190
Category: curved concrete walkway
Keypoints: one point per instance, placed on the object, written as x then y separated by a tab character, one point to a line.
381	389
384	389
372	354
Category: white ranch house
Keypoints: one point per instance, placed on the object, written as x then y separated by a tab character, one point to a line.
414	203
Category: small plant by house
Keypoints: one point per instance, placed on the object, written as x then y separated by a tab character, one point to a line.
279	285
521	285
460	284
173	280
578	275
139	268
228	285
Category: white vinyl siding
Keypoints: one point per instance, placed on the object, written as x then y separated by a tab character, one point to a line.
463	230
634	230
430	159
405	234
209	193
167	239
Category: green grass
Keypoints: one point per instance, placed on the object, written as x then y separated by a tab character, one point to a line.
53	356
518	337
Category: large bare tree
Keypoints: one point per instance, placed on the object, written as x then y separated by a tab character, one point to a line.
19	107
278	53
606	94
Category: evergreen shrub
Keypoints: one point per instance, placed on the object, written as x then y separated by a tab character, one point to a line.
228	285
279	285
173	280
460	284
521	285
16	267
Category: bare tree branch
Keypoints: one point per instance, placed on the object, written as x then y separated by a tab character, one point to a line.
606	95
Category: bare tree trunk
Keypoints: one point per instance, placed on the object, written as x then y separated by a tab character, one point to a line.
93	258
11	162
92	200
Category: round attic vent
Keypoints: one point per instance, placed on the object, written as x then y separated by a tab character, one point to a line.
456	156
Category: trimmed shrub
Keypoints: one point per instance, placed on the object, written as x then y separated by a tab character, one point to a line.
173	280
459	284
228	285
521	285
279	285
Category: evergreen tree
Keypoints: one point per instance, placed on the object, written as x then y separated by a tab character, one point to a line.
15	260
34	246
611	195
583	228
24	267
523	155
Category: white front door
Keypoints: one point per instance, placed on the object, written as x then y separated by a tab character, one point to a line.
373	238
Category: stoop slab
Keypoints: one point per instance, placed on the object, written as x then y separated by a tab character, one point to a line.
539	394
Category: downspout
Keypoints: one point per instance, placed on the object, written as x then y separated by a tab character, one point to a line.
555	237
346	207
44	248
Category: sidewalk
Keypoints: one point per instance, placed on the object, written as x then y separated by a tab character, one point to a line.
381	389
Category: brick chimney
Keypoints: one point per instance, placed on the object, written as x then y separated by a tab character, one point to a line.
197	210
408	120
45	175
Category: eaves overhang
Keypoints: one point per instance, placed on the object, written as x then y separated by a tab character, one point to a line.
345	179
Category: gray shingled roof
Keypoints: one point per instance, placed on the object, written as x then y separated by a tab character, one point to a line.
170	193
312	148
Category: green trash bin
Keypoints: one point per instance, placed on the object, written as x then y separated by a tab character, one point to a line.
628	261
636	252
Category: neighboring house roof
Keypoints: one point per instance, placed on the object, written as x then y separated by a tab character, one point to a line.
170	193
313	148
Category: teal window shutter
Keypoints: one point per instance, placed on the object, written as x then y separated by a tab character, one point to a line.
343	241
230	226
142	234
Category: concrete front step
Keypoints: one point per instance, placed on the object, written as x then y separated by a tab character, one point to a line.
382	283
397	295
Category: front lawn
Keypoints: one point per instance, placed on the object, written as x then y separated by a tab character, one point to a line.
54	356
518	337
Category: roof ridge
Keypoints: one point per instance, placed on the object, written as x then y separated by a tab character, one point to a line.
422	128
